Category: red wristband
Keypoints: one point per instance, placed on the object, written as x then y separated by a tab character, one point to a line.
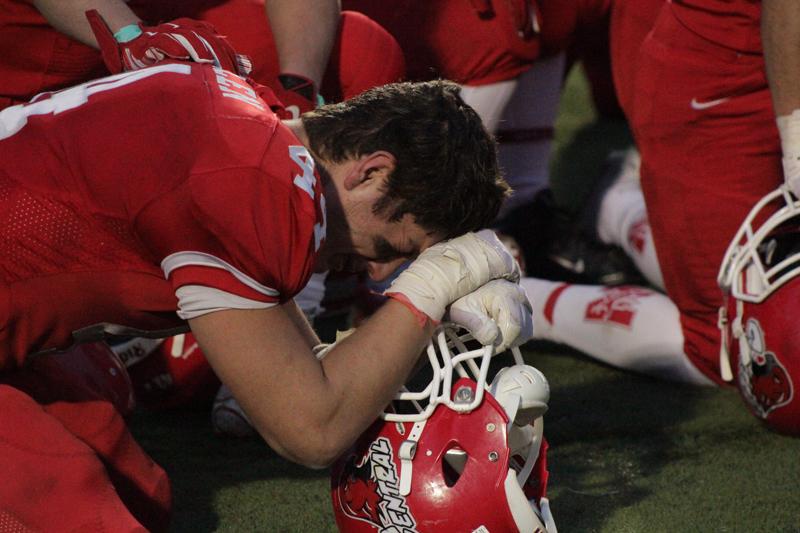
422	318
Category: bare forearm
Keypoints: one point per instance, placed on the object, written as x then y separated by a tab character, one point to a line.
306	410
368	368
304	31
780	35
68	16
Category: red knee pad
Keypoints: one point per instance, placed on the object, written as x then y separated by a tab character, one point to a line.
364	55
175	374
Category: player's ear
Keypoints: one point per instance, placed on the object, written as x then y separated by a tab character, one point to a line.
373	167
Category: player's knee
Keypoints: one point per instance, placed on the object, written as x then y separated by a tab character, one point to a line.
660	352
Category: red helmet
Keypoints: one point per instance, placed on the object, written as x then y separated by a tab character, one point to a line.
760	338
450	469
83	372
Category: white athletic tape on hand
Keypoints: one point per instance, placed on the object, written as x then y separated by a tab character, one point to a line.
497	313
449	270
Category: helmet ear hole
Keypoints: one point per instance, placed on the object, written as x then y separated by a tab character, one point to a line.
455	459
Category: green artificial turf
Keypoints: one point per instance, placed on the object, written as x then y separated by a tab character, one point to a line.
628	453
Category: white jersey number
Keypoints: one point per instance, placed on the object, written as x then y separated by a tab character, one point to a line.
306	182
14	118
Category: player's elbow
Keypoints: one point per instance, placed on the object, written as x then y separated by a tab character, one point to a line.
309	438
320	459
312	449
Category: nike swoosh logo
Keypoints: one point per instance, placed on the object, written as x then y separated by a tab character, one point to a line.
699	106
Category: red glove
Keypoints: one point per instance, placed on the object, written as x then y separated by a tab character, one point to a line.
297	94
182	40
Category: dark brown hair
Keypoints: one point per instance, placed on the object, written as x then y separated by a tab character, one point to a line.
446	175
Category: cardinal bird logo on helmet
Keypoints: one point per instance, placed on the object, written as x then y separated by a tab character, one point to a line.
368	490
359	493
763	380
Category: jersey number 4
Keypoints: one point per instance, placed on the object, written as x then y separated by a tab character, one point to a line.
306	181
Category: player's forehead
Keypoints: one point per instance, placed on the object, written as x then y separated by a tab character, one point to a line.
407	239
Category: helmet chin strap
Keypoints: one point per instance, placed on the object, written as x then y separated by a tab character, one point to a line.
407	451
547	515
529	436
724	356
738	334
523	392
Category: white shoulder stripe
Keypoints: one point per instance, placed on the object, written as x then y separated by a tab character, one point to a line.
197	300
181	259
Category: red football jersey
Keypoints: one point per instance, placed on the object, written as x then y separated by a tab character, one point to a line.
121	193
734	24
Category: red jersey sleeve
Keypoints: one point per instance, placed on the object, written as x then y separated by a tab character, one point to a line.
247	234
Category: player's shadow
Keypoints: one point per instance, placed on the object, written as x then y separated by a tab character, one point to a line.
211	474
607	430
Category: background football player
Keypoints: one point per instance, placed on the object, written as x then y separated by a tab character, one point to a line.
697	98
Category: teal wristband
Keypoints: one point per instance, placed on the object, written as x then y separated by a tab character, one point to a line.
128	33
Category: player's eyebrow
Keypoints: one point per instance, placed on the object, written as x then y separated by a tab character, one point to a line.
386	251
